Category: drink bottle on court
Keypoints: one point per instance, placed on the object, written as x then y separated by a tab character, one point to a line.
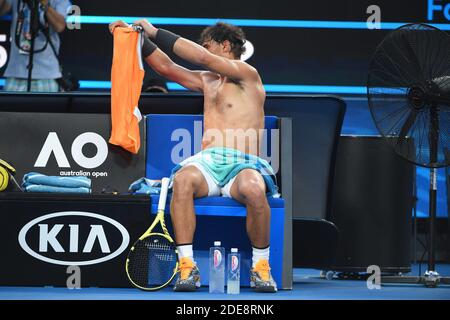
217	268
233	274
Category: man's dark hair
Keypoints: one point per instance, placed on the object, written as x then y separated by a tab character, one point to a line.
223	31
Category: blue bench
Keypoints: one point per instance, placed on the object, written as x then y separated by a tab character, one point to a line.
173	138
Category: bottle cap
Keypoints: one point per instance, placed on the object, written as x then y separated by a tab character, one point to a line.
234	250
217	243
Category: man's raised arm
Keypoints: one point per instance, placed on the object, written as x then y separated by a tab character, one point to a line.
164	66
198	55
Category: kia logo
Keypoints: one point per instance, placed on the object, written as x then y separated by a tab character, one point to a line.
61	235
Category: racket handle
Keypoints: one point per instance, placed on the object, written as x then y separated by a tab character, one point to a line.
163	194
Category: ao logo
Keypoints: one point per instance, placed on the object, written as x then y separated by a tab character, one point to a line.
51	237
53	145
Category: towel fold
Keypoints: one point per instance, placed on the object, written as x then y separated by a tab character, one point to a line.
37	182
56	181
42	188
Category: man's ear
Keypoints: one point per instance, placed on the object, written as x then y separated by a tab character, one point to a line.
226	45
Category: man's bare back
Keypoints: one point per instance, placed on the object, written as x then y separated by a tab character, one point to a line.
233	113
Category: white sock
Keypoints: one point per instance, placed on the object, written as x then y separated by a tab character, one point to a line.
260	254
185	251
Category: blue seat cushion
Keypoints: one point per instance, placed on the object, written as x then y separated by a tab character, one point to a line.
229	202
220	206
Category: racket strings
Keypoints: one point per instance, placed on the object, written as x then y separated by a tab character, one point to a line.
162	251
153	261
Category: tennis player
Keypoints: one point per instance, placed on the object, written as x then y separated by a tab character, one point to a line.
228	164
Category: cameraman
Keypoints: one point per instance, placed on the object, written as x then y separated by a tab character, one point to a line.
52	13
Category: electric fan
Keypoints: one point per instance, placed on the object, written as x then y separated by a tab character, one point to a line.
408	91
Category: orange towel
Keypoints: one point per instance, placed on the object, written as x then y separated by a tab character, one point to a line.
127	75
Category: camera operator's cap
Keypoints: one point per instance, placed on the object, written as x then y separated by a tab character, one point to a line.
217	243
234	250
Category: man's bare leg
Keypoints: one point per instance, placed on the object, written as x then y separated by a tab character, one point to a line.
249	188
188	184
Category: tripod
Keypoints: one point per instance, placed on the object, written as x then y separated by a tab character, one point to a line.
34	28
33	6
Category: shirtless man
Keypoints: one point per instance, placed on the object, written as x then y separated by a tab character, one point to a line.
233	110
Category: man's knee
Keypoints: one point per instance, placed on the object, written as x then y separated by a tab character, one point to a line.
186	182
253	193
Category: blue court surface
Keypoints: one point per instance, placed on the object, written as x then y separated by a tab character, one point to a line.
307	286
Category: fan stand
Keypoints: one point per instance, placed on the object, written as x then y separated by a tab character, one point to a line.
431	277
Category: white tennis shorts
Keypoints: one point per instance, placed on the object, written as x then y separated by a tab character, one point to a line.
213	187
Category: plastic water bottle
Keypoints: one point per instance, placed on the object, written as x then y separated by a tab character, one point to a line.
217	268
234	266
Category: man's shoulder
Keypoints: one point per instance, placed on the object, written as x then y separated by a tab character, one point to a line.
251	73
244	64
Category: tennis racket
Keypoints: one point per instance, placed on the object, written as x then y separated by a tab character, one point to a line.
152	262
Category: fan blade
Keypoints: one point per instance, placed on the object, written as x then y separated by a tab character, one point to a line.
411	67
415	60
443	83
439	99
